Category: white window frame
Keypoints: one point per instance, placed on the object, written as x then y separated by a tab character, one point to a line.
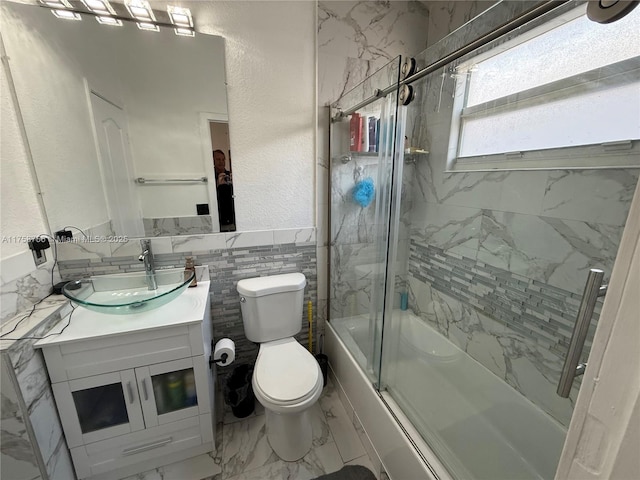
618	154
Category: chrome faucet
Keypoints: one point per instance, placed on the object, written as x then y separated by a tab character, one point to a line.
149	267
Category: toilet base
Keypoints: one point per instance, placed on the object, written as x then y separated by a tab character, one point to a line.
289	434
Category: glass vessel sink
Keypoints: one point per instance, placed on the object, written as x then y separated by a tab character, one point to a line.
126	293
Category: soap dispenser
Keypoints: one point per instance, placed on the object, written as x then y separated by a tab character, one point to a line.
189	268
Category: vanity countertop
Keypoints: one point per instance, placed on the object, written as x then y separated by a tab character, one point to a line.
85	324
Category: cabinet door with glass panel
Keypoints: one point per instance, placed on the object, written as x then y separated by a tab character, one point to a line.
171	391
99	407
104	406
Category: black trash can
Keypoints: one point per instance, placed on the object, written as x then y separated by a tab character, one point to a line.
323	360
238	392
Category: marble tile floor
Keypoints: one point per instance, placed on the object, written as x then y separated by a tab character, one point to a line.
244	452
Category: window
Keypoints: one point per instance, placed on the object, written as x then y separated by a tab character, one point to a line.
566	94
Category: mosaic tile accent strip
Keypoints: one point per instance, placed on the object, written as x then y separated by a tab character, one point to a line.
536	310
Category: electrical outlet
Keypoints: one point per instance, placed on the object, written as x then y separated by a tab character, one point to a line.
37	246
39	257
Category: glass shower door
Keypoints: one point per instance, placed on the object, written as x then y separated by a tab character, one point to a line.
362	145
517	188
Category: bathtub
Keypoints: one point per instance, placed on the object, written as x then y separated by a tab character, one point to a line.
472	421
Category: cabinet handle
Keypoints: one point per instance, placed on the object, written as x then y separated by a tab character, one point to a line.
144	389
130	392
148	446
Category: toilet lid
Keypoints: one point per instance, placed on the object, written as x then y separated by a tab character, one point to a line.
285	371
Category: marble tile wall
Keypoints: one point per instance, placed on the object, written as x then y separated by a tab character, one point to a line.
230	257
41	435
194	225
17	457
21	293
355	39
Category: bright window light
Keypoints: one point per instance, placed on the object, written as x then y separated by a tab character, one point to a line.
66	14
109	21
561	95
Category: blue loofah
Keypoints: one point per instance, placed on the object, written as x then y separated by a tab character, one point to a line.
364	192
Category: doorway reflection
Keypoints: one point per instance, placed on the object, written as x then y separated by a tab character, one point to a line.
223	175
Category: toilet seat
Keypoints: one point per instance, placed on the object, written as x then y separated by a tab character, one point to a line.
286	375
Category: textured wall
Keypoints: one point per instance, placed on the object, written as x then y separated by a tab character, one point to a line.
20	215
19	210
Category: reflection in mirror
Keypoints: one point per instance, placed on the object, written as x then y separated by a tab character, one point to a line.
223	175
118	123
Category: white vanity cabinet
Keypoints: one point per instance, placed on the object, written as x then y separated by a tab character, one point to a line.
134	392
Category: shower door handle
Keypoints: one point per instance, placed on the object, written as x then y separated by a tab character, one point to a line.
571	369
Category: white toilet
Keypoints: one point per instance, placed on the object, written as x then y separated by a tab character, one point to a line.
287	379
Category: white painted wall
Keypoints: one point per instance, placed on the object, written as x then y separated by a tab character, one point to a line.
19	210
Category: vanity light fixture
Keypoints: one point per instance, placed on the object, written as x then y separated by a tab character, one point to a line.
99	7
151	27
180	17
109	21
141	11
66	14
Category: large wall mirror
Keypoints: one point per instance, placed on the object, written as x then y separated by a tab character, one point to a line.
128	129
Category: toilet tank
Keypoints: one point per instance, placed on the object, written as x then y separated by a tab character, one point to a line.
272	306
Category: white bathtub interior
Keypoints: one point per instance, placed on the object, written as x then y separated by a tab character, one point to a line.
470	418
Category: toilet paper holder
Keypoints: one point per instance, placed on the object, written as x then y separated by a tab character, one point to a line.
223	357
